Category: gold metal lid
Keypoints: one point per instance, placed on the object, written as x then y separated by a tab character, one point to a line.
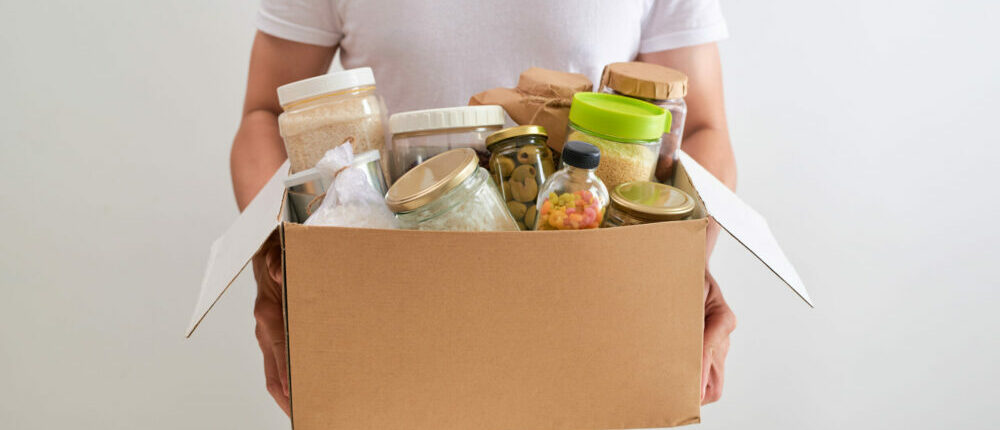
652	201
645	80
431	179
521	130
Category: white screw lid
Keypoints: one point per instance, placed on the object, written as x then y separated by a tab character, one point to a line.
322	84
454	117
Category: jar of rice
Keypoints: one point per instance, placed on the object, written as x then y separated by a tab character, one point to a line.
323	111
626	130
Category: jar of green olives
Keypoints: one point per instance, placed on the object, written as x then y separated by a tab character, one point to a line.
520	162
643	202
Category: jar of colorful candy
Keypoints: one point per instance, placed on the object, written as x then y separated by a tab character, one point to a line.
573	198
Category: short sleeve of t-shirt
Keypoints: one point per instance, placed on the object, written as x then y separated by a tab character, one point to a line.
677	23
315	22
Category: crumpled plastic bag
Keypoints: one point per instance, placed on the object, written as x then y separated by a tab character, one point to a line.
542	97
350	201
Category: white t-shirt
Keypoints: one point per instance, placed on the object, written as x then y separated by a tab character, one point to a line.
432	54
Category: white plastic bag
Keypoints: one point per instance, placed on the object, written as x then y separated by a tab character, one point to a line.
350	201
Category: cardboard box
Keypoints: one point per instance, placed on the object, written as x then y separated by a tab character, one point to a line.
598	329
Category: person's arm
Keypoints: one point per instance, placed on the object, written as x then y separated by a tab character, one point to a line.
257	149
257	152
706	139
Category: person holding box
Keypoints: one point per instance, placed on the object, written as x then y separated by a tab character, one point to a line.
437	54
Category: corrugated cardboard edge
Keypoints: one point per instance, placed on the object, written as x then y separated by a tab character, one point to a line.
232	251
743	223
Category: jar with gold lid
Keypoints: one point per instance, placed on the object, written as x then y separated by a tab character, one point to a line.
646	202
520	162
661	86
449	192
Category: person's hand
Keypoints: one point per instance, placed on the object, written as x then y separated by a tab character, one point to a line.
719	323
270	322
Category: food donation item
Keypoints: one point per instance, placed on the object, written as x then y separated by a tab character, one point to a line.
419	135
627	131
541	97
519	164
573	198
661	86
449	192
323	111
351	200
645	202
305	188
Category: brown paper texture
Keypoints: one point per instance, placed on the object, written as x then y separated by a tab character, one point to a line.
542	97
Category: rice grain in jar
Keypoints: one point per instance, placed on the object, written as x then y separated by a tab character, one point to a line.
323	111
627	131
449	192
661	86
646	202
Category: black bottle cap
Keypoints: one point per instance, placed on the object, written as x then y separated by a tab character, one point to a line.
581	154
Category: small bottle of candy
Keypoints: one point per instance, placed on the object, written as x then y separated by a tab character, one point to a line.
573	198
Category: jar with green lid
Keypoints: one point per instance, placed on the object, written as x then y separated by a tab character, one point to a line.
661	86
520	162
574	198
449	192
626	130
645	202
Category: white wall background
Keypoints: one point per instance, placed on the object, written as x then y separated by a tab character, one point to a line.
865	131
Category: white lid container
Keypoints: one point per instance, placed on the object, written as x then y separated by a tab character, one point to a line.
324	84
446	118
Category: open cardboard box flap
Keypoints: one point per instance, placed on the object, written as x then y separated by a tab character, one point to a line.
231	252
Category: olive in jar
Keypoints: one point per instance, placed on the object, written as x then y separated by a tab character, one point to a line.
520	162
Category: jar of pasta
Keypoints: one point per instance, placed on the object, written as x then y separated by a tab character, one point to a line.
449	192
661	86
645	202
419	135
323	111
627	131
519	163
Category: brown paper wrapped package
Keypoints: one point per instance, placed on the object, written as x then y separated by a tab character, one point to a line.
542	97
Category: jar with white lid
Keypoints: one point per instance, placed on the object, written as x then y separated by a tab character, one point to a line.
419	135
449	192
323	111
661	86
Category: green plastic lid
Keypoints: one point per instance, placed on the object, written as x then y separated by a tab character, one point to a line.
618	117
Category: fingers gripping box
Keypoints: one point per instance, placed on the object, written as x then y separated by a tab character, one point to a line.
598	329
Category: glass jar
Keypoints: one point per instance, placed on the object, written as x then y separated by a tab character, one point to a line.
519	164
627	131
661	86
574	198
419	135
449	192
645	202
322	112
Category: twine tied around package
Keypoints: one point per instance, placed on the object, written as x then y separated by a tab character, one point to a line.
310	207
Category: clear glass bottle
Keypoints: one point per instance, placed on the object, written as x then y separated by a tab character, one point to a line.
573	198
627	131
449	192
661	86
322	112
645	202
419	135
520	162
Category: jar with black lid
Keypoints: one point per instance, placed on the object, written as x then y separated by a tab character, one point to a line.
520	162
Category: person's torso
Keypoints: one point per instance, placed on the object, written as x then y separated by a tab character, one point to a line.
431	54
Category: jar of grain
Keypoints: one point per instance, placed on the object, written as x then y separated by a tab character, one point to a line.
449	192
627	131
520	162
645	202
323	111
419	135
661	86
